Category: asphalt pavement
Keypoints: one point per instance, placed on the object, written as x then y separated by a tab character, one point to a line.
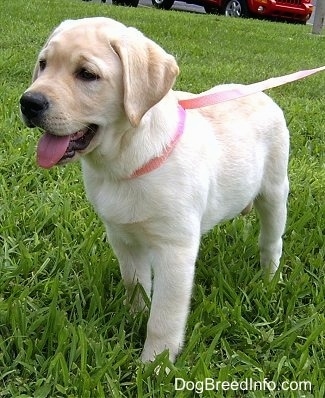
178	5
182	6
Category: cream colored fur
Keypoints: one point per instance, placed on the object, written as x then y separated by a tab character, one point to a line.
230	155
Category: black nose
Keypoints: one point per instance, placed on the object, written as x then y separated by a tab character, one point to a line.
33	105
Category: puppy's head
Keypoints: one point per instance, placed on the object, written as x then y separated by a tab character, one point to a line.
93	77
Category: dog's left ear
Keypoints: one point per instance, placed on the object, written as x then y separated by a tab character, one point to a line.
148	73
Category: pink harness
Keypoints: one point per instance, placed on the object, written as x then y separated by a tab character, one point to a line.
215	98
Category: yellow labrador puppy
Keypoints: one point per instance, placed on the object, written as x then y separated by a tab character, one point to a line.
158	176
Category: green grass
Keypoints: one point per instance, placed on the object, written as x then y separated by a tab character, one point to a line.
64	331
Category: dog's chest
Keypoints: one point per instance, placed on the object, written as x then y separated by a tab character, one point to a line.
116	203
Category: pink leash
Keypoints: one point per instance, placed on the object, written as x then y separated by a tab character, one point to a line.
245	90
203	100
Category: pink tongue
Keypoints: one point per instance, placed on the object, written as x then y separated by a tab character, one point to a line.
50	149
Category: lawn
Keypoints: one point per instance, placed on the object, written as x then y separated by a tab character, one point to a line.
64	330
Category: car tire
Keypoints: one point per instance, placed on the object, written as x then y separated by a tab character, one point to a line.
127	3
163	4
212	10
236	8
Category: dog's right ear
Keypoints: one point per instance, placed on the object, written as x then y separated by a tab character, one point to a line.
149	72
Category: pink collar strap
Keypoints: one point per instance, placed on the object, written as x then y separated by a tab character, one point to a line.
154	163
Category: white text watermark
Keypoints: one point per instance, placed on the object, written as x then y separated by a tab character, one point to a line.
210	384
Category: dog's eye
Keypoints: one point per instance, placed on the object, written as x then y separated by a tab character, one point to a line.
86	75
42	64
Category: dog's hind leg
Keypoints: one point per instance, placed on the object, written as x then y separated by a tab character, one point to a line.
271	206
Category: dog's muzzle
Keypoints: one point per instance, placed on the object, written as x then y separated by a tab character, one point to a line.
53	148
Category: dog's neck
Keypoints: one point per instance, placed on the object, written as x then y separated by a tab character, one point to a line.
158	161
142	149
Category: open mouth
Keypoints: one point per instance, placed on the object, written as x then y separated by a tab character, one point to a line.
53	149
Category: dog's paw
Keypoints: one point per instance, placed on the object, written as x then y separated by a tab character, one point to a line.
151	352
160	365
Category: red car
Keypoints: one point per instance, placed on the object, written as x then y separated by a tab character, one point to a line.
289	10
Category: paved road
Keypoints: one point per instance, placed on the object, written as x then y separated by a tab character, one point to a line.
179	5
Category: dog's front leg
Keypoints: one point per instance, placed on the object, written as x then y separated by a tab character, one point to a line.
173	270
135	266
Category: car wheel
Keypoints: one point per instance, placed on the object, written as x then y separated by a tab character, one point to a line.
236	8
163	4
127	3
211	10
